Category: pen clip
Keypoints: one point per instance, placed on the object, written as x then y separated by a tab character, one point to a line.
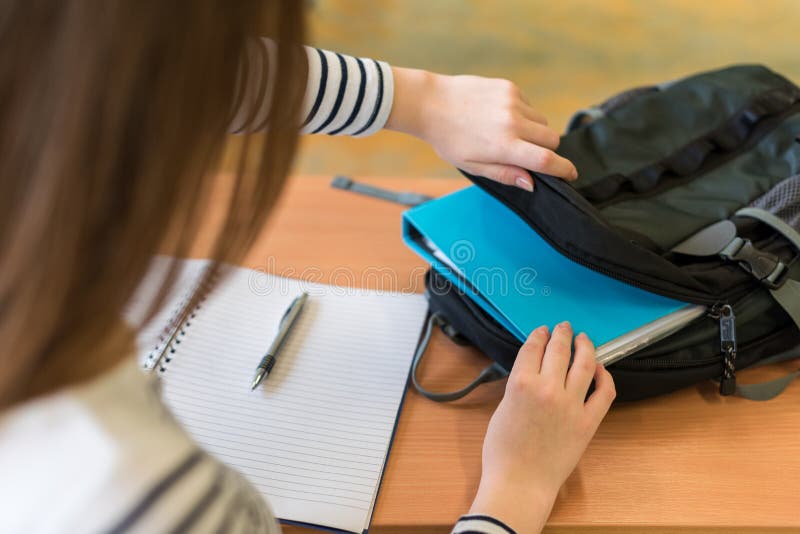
292	306
287	312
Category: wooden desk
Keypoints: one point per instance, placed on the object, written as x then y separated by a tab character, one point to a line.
691	461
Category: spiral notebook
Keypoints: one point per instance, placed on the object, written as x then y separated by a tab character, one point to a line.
314	438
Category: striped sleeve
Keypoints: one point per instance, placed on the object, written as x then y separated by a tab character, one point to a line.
344	95
481	524
198	495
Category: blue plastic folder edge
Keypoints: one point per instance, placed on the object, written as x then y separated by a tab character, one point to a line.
455	216
457	281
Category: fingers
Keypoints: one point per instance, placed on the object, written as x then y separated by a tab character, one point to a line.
583	366
523	105
531	114
540	159
557	354
504	174
603	395
529	358
535	133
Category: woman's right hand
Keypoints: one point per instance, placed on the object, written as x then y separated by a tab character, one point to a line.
541	427
485	126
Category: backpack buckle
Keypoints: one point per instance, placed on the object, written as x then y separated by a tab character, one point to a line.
765	267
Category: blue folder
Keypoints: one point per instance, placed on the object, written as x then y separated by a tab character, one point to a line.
499	261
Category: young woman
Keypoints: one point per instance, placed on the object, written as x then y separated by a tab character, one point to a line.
113	120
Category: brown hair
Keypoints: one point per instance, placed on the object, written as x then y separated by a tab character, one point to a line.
113	120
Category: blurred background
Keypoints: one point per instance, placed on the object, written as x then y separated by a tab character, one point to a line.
564	54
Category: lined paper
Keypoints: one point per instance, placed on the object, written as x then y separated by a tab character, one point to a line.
313	438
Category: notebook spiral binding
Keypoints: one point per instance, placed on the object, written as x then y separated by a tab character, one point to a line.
175	331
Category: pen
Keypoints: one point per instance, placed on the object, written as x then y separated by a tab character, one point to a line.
287	321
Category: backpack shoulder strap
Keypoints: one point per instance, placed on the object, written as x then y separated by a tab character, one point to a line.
775	222
788	293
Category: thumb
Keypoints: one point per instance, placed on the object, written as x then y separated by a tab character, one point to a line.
504	174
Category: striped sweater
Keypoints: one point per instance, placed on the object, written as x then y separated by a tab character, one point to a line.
344	95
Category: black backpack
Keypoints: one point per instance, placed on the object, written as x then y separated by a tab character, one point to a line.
691	190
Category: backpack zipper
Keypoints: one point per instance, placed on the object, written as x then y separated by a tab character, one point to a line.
728	350
723	313
727	342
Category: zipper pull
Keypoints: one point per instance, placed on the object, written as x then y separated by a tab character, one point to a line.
727	338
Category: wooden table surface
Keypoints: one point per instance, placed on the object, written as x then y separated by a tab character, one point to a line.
690	461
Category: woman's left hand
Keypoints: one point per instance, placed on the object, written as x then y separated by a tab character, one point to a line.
484	126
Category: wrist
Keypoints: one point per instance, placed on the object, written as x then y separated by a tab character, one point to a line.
523	508
414	94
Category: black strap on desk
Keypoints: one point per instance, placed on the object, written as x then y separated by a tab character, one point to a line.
489	374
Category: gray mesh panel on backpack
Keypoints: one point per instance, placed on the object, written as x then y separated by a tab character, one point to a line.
783	201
